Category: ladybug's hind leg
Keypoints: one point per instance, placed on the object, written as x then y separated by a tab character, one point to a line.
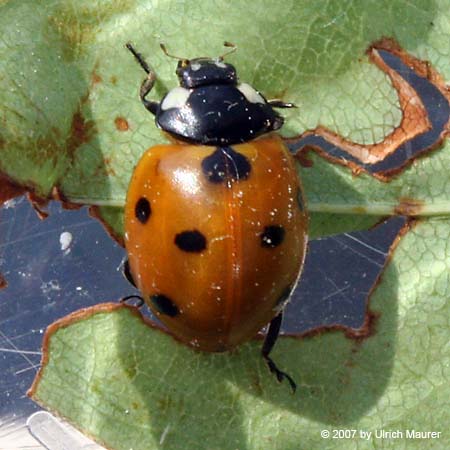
269	342
148	83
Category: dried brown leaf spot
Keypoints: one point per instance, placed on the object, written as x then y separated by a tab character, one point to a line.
121	124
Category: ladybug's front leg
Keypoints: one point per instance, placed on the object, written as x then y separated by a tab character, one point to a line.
269	342
148	83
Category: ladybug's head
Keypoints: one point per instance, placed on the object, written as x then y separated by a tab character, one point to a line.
202	71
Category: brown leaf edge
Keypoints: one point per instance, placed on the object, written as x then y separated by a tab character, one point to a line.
369	326
64	322
82	131
78	316
415	121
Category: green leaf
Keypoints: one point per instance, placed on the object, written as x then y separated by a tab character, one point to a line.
130	386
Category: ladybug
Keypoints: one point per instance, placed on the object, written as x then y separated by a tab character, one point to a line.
215	223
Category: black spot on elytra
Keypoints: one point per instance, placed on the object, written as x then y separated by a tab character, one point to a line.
272	236
284	297
191	241
300	202
164	305
142	210
226	164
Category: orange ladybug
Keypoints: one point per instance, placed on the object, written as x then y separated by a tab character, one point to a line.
215	224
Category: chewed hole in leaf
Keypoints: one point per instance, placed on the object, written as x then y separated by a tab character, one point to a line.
424	101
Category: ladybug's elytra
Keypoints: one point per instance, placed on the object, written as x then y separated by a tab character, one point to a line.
215	224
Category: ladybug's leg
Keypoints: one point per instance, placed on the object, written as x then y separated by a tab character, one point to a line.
127	273
148	83
140	301
280	104
269	342
146	87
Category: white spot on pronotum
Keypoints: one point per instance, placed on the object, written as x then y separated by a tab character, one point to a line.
250	94
220	64
195	66
65	239
176	98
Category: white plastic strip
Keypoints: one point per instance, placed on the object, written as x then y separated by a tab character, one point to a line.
54	434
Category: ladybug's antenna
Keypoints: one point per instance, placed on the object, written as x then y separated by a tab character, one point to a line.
164	49
139	58
229	52
220	58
